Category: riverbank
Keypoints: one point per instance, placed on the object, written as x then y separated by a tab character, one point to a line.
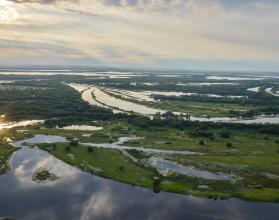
6	152
113	164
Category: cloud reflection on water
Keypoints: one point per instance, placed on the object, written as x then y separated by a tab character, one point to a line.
79	195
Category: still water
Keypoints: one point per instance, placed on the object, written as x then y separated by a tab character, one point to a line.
79	195
163	165
105	100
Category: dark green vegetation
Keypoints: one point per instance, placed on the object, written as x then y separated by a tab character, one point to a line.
255	168
200	109
245	152
6	150
104	162
5	153
46	99
249	152
43	175
7	218
217	107
252	103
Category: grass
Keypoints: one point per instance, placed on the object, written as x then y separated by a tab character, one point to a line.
6	152
113	164
42	175
253	157
252	185
107	163
195	108
200	109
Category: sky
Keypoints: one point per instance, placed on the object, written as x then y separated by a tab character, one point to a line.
171	34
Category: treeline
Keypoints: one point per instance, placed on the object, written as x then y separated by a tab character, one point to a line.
264	104
146	123
47	100
168	84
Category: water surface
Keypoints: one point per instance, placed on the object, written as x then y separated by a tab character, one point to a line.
19	124
82	128
163	165
77	195
103	99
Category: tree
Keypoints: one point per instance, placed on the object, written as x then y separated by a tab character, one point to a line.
158	116
201	142
53	147
266	137
156	184
225	134
230	145
169	115
74	142
68	149
188	117
90	149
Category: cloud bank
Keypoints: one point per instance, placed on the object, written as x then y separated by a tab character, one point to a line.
205	34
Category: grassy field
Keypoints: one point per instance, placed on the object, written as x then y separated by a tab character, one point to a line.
252	157
200	109
197	109
103	162
115	165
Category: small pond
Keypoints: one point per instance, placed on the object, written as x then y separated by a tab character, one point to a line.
165	165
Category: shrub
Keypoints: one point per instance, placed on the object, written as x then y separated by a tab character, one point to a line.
201	142
74	143
202	133
156	184
68	149
90	149
225	134
212	138
229	145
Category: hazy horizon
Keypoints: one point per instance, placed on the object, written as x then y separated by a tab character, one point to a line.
53	68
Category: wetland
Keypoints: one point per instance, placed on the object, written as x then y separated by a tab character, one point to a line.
138	141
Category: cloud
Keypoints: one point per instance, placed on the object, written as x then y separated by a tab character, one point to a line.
163	3
36	1
100	205
146	32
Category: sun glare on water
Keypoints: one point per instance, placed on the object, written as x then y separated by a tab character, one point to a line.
8	12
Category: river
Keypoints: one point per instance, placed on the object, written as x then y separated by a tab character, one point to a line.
80	195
